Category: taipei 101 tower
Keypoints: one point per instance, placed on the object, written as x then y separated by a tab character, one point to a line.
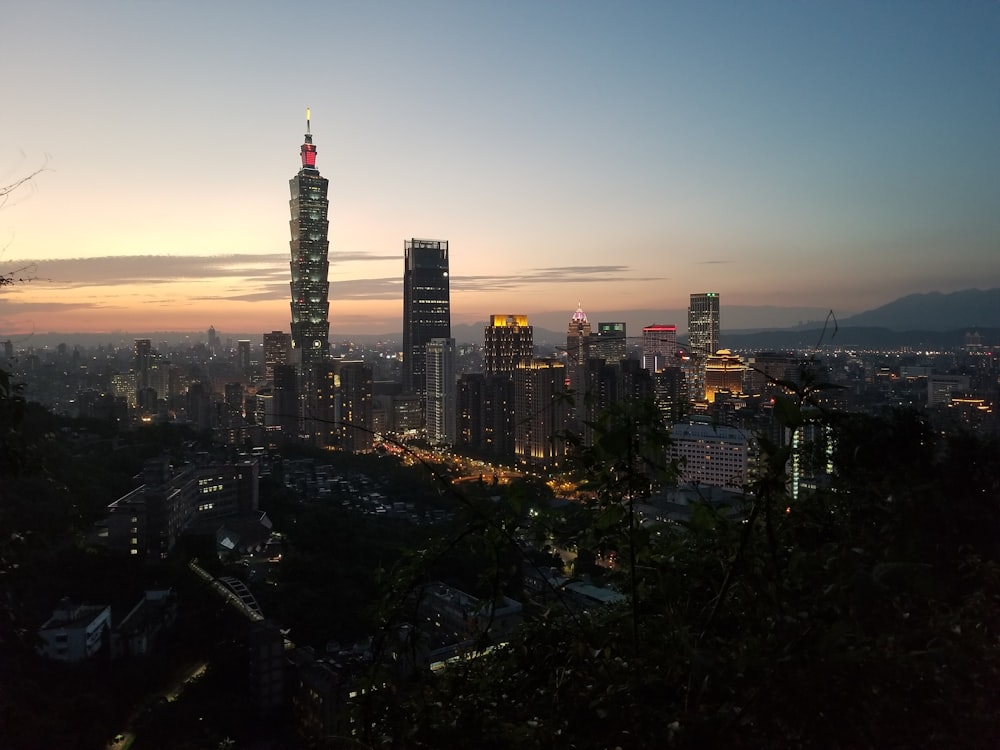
309	265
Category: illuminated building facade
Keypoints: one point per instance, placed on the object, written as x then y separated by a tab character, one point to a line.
309	265
670	393
609	343
354	406
709	454
703	324
659	347
703	339
442	389
577	349
541	412
277	349
508	342
426	307
343	406
724	371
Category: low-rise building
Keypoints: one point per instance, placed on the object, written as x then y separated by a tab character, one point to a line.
75	632
136	632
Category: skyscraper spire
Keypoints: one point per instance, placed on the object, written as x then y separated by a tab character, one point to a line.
308	149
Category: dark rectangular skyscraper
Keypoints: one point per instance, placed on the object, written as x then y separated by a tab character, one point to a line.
426	307
309	265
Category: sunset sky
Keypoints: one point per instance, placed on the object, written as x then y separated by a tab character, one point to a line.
813	155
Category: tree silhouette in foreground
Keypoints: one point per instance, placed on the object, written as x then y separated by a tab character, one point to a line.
863	616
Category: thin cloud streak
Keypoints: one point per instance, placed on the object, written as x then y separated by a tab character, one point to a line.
258	278
114	270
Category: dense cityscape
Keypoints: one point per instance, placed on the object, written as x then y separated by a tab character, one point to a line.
253	511
247	508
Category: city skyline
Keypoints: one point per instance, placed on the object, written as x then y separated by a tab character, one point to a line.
796	155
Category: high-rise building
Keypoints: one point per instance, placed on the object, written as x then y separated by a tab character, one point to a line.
703	324
703	339
277	348
214	345
670	393
659	347
349	424
486	413
287	409
508	342
143	358
610	343
243	355
442	389
426	306
541	412
309	265
578	337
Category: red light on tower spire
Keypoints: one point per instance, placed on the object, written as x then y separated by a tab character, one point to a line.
308	149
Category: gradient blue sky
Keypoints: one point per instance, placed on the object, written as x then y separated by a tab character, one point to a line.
810	155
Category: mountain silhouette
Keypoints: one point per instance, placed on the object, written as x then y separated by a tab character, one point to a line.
934	311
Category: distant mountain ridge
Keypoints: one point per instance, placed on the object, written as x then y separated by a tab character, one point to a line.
934	311
857	337
932	320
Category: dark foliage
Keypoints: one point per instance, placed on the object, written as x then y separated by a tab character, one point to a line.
860	617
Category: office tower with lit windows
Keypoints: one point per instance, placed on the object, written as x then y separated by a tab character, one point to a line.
659	347
703	339
485	413
703	324
426	307
578	338
508	342
469	428
442	387
670	393
610	343
541	412
710	454
277	351
309	265
343	405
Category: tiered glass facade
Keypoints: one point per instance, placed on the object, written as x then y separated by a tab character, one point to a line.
309	265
